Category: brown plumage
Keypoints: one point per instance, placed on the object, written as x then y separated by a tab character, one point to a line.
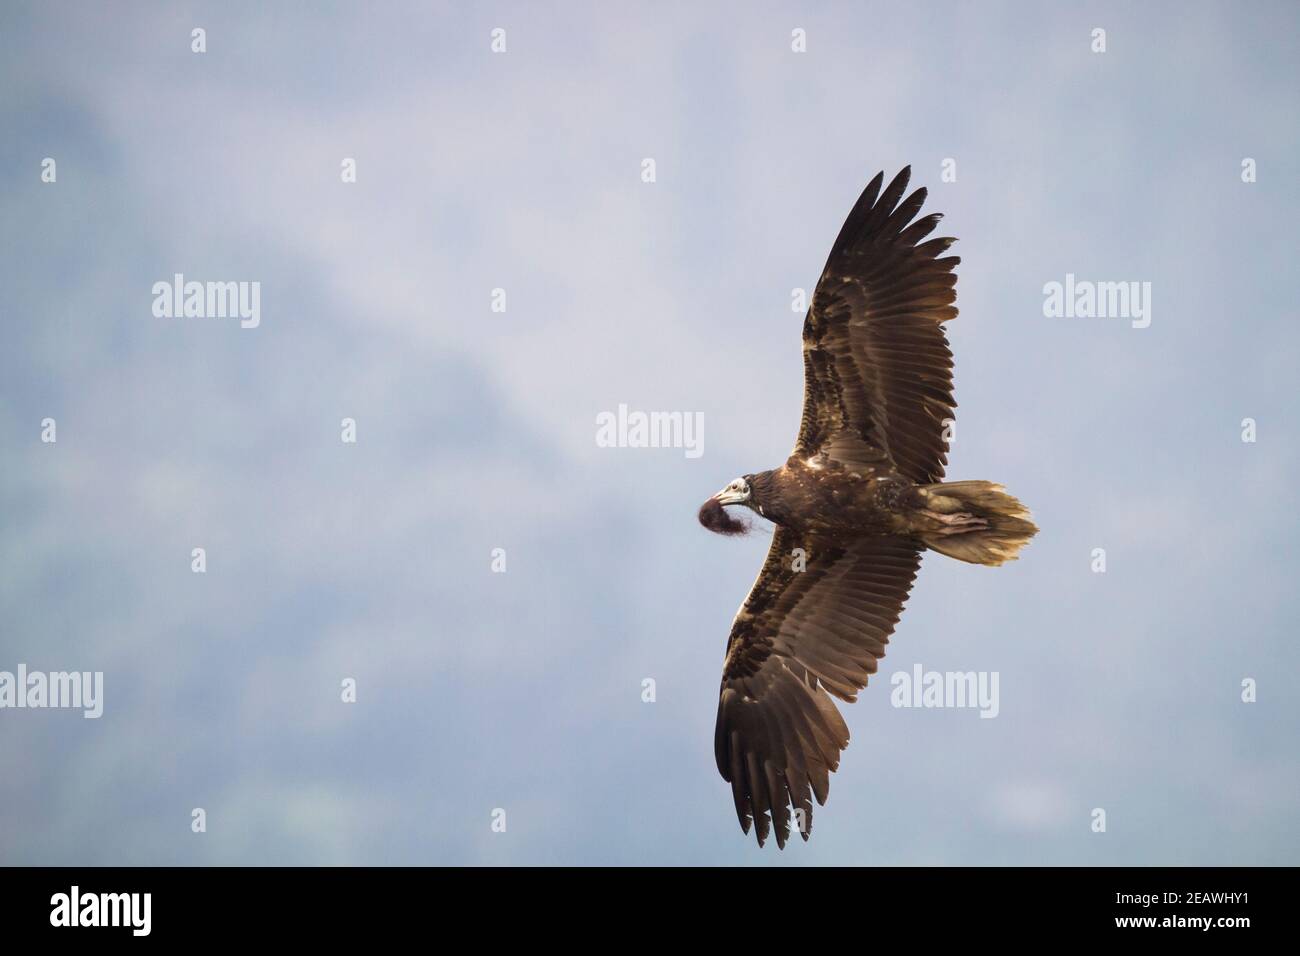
859	499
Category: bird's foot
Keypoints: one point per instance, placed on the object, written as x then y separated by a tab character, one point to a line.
959	523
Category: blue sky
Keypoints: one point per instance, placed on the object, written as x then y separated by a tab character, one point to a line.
476	429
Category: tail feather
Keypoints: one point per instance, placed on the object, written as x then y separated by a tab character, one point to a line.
1005	527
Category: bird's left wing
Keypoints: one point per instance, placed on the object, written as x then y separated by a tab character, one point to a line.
816	620
877	368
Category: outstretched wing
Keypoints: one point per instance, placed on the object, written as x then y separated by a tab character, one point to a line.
877	367
799	635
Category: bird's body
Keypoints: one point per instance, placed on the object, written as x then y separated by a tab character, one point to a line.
859	499
821	496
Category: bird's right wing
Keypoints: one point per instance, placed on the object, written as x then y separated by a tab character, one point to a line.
877	368
799	634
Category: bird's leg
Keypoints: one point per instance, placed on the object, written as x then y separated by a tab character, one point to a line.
958	523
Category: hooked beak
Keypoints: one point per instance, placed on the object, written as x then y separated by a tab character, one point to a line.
728	497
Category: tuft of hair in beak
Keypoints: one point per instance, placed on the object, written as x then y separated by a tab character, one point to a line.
717	519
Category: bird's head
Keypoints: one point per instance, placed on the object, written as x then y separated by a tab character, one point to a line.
715	517
736	493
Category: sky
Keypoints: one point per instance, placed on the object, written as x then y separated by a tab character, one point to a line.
430	645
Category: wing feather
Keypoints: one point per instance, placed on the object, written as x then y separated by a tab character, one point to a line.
877	367
800	637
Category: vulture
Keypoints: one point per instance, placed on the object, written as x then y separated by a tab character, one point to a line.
859	499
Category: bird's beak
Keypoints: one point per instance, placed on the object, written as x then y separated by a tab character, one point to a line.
728	497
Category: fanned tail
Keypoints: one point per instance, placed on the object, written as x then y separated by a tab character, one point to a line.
998	528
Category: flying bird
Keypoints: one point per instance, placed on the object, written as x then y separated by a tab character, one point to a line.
858	500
